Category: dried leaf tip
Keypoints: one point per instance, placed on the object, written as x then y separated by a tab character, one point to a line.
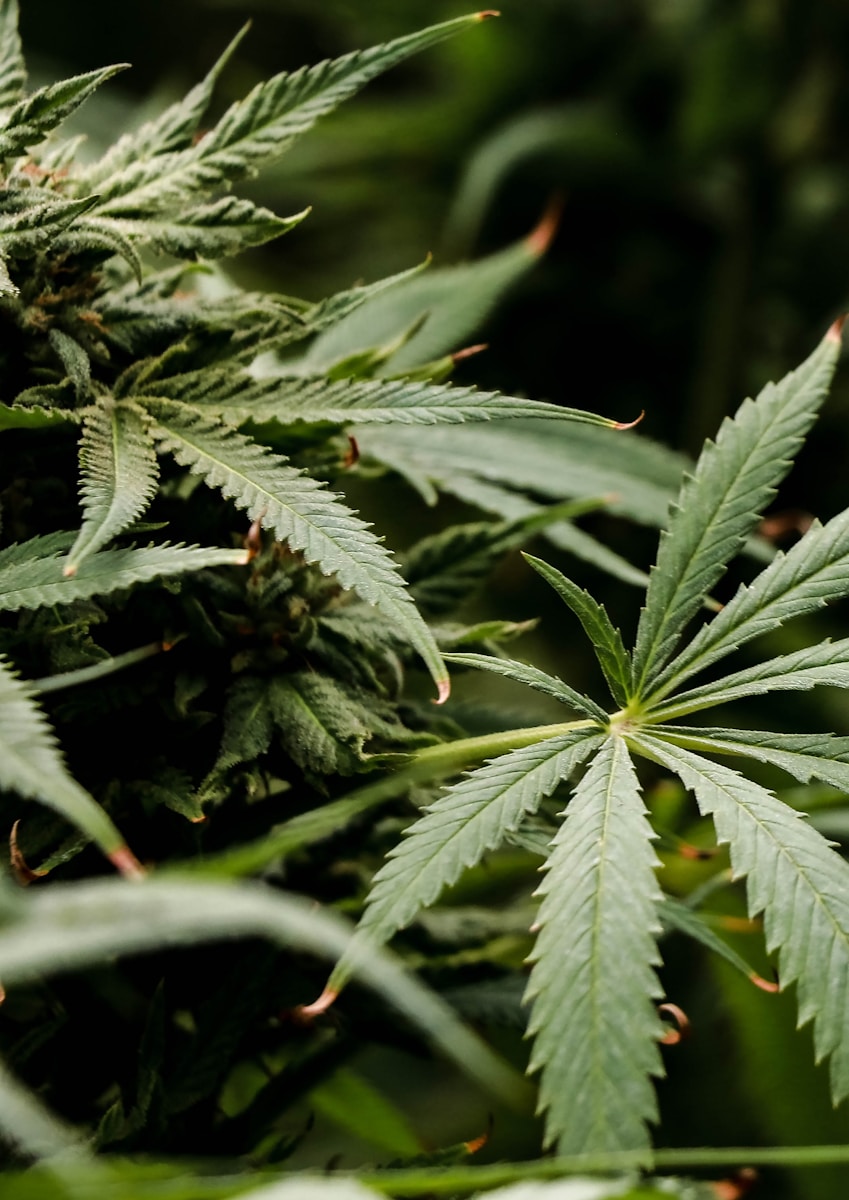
489	12
126	863
469	351
766	985
835	333
24	874
69	571
629	424
444	686
539	239
307	1012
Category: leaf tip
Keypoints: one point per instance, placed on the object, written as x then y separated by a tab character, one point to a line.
126	863
766	985
308	1012
444	686
629	424
487	14
69	570
677	1032
469	352
835	332
23	873
539	239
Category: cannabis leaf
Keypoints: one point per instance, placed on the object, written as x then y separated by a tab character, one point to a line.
593	983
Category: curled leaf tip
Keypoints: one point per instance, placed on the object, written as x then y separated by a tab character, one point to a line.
629	424
24	874
469	352
766	985
124	861
539	239
836	330
444	686
680	1030
352	455
308	1012
489	12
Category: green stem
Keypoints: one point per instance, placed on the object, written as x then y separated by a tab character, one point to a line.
424	766
53	683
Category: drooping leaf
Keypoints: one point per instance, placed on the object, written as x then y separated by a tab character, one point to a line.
32	118
13	72
593	983
455	832
720	504
302	513
32	766
607	641
541	681
810	575
798	882
259	128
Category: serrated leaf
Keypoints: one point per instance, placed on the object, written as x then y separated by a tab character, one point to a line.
301	512
539	680
13	72
248	724
401	401
32	766
805	756
259	128
471	818
810	575
593	983
681	918
173	129
226	226
607	641
118	478
794	878
32	583
826	664
721	502
30	221
32	118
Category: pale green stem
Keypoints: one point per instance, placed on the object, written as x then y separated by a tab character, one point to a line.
424	766
52	683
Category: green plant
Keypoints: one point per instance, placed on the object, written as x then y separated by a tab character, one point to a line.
594	986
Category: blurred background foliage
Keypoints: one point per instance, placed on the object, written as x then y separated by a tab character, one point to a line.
700	151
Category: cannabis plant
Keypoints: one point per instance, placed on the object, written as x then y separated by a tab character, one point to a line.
594	988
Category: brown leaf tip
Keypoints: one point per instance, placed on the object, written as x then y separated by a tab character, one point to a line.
489	12
766	985
126	862
469	351
444	686
539	239
836	331
308	1012
677	1033
630	424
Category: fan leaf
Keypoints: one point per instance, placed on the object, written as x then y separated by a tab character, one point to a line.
805	756
721	502
539	680
794	878
593	983
32	118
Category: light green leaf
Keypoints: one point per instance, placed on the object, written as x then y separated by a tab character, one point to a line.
607	641
74	359
593	984
66	927
794	878
29	222
119	474
301	512
824	664
34	582
810	575
13	72
353	1104
259	128
720	504
173	129
539	680
32	766
32	118
455	300
243	398
471	818
805	756
226	226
